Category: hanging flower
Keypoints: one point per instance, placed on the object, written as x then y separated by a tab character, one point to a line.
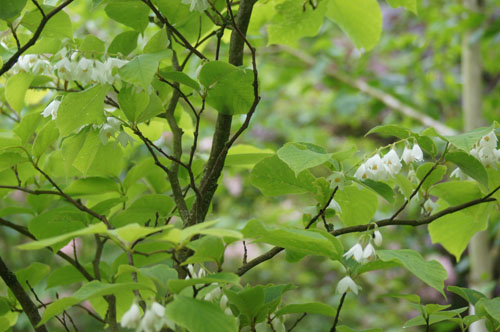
489	141
392	163
154	319
337	180
413	154
51	109
457	173
335	206
376	169
347	284
361	173
377	238
356	251
368	253
198	5
430	206
132	317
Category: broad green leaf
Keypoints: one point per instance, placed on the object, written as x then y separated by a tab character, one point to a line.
15	89
380	188
290	22
157	43
468	294
45	138
361	20
29	123
141	69
160	274
124	43
32	274
9	159
390	130
435	176
467	140
469	165
427	144
132	13
92	186
200	316
229	88
246	155
132	232
11	8
492	307
249	301
145	208
222	278
63	276
59	25
35	245
153	108
300	157
133	101
90	290
91	45
182	78
311	242
310	308
208	248
410	5
434	318
356	211
432	272
457	192
86	151
343	328
81	108
274	178
5	306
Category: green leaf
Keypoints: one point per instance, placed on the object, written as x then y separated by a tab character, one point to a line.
361	20
356	211
229	88
434	318
92	186
143	209
291	22
124	43
157	43
32	274
59	25
182	78
249	301
208	248
11	8
29	123
222	278
9	159
63	276
273	177
93	229
300	157
132	232
410	5
153	108
343	328
81	108
200	316
246	155
469	165
390	130
91	45
426	143
132	13
132	101
470	295
45	138
15	89
311	242
436	175
90	290
492	307
141	69
467	140
432	273
310	308
380	188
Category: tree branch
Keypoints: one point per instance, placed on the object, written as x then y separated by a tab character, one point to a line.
27	304
13	59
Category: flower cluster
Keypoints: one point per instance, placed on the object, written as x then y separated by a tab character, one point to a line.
486	150
217	296
74	68
366	254
153	320
381	168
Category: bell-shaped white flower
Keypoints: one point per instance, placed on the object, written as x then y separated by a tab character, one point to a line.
335	206
51	109
102	73
154	319
368	253
489	141
497	156
337	180
391	160
430	206
487	157
132	317
377	238
223	302
356	251
361	173
413	154
376	168
198	5
66	69
84	70
347	284
457	173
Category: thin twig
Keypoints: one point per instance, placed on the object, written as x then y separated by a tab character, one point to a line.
297	322
334	327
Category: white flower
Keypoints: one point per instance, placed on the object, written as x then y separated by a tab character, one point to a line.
154	319
368	253
376	168
457	173
413	154
497	156
66	69
337	180
102	73
26	62
430	206
124	139
377	238
51	109
223	302
391	160
489	141
198	5
361	173
84	69
347	284
487	157
335	206
356	251
131	318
